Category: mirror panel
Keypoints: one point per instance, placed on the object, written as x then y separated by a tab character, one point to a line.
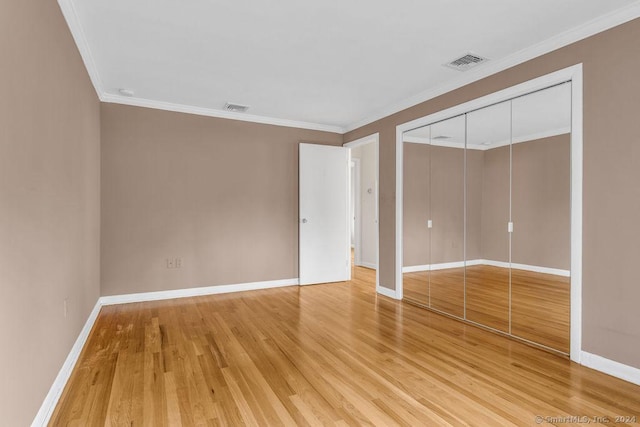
488	208
541	201
416	211
466	180
447	216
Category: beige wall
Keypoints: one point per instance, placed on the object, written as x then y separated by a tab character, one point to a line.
220	194
49	202
611	196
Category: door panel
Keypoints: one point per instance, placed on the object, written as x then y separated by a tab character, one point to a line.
324	214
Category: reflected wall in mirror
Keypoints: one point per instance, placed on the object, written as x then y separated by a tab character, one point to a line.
488	210
447	215
416	211
433	251
541	214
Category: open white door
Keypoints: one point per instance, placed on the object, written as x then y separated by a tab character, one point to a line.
324	214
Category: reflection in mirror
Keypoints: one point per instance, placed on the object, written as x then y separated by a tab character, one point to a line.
416	239
487	225
447	215
541	201
433	257
487	236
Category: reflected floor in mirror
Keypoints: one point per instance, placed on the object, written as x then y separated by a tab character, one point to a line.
540	302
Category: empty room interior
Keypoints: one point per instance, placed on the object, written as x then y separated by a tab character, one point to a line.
319	213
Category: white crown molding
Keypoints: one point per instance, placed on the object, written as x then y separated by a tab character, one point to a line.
583	31
588	29
73	22
211	112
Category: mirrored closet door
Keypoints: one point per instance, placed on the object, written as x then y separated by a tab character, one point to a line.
416	214
447	216
433	201
487	217
541	214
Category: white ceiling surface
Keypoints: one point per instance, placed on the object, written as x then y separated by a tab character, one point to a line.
333	63
537	115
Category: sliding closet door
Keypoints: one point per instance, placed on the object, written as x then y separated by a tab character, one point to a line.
487	221
541	201
488	216
447	216
416	211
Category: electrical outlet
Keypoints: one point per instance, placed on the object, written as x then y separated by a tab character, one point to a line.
178	262
171	263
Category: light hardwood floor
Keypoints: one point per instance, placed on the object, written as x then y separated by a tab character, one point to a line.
541	303
334	354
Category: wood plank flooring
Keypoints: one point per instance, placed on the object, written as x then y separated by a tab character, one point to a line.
334	354
541	303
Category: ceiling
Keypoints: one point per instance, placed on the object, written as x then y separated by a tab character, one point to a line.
537	115
330	64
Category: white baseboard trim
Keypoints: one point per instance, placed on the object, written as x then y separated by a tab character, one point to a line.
195	292
387	292
459	264
611	367
51	400
367	265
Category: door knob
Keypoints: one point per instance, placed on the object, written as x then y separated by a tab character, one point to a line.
304	220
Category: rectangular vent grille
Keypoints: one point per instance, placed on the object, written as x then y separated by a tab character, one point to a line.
466	62
236	108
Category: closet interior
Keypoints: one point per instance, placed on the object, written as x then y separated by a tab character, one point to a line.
486	217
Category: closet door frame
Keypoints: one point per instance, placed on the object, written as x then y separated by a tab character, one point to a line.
572	74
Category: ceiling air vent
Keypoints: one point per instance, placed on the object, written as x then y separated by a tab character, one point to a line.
236	108
466	62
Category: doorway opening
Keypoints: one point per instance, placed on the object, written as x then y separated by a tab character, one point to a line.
364	173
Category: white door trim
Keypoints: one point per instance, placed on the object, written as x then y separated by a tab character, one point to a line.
573	74
374	138
357	227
